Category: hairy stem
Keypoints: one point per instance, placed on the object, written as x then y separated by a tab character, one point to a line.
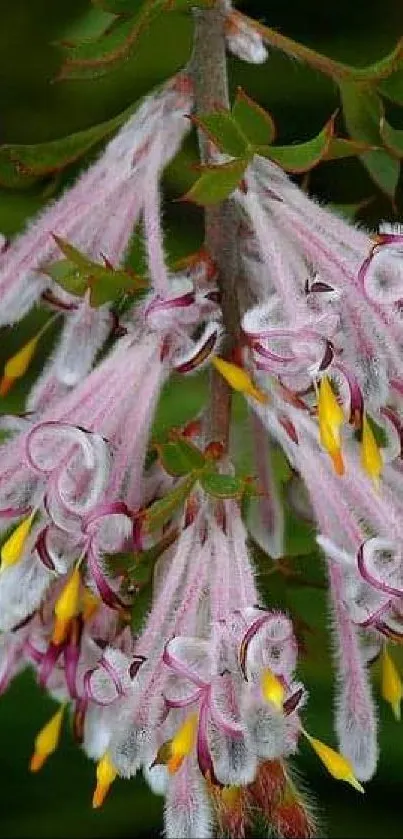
209	70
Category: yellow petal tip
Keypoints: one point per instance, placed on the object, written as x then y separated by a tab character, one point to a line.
13	548
272	689
238	378
371	457
99	796
5	385
354	782
106	774
338	462
37	761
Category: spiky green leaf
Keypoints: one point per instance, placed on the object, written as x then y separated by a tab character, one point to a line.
383	68
21	165
141	607
254	122
94	58
340	147
180	457
300	157
392	87
392	138
224	132
217	182
222	486
161	511
68	276
363	113
76	273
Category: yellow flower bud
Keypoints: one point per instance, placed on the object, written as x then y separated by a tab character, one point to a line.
67	606
391	686
47	740
238	379
331	417
17	365
371	458
106	774
335	763
13	547
272	689
182	743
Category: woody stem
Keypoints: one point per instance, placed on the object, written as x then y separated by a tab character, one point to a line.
209	70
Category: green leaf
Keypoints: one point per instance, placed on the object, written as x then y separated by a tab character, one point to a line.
217	182
363	112
141	607
94	58
80	260
77	273
300	157
224	132
191	454
339	147
180	457
162	510
111	284
20	165
68	276
91	59
253	121
138	565
383	68
222	486
392	138
141	574
392	87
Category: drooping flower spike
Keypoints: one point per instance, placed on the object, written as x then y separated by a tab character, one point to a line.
97	215
81	484
203	697
212	709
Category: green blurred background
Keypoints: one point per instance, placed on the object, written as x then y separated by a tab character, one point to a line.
33	108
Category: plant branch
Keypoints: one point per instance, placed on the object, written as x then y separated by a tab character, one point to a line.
335	69
209	71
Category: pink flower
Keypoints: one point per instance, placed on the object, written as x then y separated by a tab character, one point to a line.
99	212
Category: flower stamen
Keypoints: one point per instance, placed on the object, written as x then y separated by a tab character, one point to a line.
67	606
391	687
47	740
106	774
13	548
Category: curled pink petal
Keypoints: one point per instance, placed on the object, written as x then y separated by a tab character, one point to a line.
202	349
184	703
366	563
42	550
108	595
135	665
204	757
181	668
103	510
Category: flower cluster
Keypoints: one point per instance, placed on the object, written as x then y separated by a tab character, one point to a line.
203	697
